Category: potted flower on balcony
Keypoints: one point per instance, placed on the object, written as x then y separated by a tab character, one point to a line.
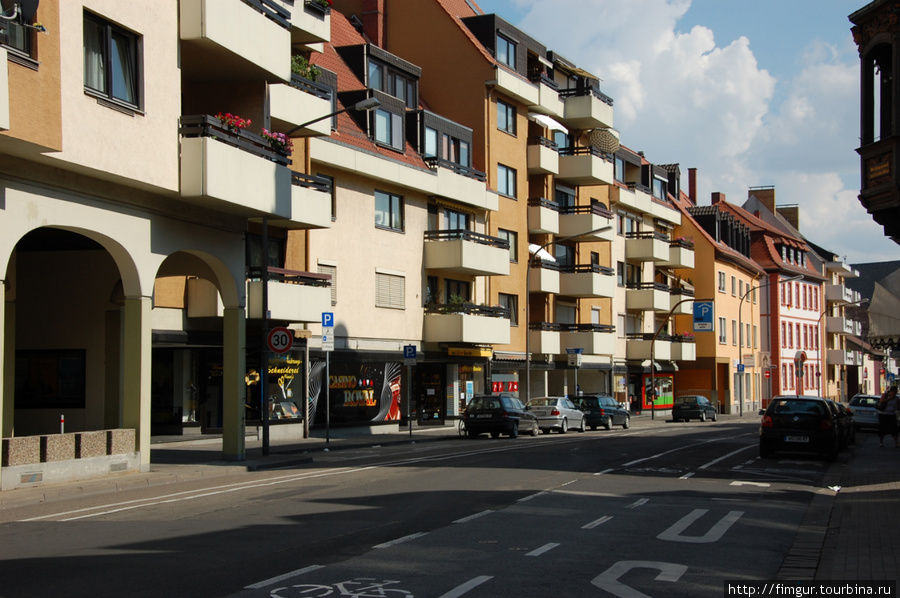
323	6
278	141
301	67
233	122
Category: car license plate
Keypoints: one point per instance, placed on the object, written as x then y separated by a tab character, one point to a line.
483	415
796	438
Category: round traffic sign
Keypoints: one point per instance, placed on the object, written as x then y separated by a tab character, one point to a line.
767	374
280	340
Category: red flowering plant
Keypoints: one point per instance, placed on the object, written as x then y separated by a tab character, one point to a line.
233	122
278	141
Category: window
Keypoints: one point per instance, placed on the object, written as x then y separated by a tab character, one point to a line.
388	211
431	290
721	282
620	326
431	142
506	51
456	150
620	274
755	337
734	332
392	82
506	180
330	270
506	117
595	315
16	36
456	290
376	75
620	169
659	188
733	286
783	336
111	61
454	220
390	290
565	255
389	129
565	313
510	302
512	237
722	332
330	181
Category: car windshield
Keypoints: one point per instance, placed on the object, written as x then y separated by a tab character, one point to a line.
798	407
485	403
542	402
686	400
864	402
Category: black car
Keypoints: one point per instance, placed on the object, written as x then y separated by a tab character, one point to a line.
602	410
498	415
845	424
799	424
688	407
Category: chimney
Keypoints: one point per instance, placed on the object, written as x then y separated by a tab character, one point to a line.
692	185
766	196
717	197
373	21
791	214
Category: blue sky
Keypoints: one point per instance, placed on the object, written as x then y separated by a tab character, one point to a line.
749	92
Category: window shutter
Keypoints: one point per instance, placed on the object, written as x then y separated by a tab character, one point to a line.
332	271
390	291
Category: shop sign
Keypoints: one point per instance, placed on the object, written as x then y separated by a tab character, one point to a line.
470	352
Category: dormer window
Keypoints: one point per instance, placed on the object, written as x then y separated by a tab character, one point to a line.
389	129
506	51
659	187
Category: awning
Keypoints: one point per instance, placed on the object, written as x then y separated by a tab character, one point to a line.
541	253
884	313
548	122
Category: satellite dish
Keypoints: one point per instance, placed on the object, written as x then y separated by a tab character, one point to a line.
605	140
27	10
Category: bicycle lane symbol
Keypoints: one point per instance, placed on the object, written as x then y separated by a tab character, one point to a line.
361	587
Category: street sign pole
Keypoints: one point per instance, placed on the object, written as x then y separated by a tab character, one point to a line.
327	347
409	357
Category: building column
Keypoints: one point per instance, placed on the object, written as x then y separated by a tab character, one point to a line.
234	388
8	361
136	362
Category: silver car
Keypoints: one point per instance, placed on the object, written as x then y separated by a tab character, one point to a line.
556	413
864	411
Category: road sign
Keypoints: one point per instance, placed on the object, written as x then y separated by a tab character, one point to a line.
280	340
409	355
767	374
703	316
327	319
327	331
740	367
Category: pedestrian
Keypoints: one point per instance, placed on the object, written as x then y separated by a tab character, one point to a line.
887	416
635	405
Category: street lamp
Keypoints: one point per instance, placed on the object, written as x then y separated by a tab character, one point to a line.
822	355
363	105
531	258
741	327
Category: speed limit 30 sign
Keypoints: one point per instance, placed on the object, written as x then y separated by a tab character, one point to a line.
280	340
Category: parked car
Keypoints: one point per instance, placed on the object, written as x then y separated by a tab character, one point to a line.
556	413
498	415
799	424
844	420
602	410
864	411
688	407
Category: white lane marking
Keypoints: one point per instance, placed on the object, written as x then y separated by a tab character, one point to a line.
597	522
609	579
471	517
275	580
637	503
686	476
760	484
587	493
715	533
464	588
605	471
723	457
543	549
527	498
401	540
674	450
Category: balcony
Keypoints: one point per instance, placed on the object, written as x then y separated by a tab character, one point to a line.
549	100
837	325
466	323
543	277
647	296
575	220
681	307
310	203
543	217
300	102
683	348
638	197
466	252
233	170
292	296
842	269
647	246
681	254
845	358
517	87
310	23
594	339
232	40
4	92
544	337
838	293
587	108
588	280
585	166
543	156
638	347
463	184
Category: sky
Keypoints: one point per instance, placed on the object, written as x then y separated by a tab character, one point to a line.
749	92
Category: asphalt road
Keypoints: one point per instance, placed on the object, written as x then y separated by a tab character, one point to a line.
665	510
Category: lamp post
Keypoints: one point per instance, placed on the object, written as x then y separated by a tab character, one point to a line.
741	326
822	355
531	259
653	353
363	105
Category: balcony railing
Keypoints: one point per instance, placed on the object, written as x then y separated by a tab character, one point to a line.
583	268
471	309
466	252
544	337
466	323
574	220
588	90
311	87
585	165
594	339
639	345
209	126
317	6
601	328
466	235
292	296
647	246
542	77
595	208
290	276
433	162
582	150
647	296
543	216
543	277
273	10
587	280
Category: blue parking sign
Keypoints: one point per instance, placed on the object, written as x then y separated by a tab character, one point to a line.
328	319
704	316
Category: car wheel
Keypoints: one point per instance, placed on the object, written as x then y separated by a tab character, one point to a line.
564	427
608	424
535	430
472	433
581	429
593	428
495	434
715	416
627	423
515	431
703	416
